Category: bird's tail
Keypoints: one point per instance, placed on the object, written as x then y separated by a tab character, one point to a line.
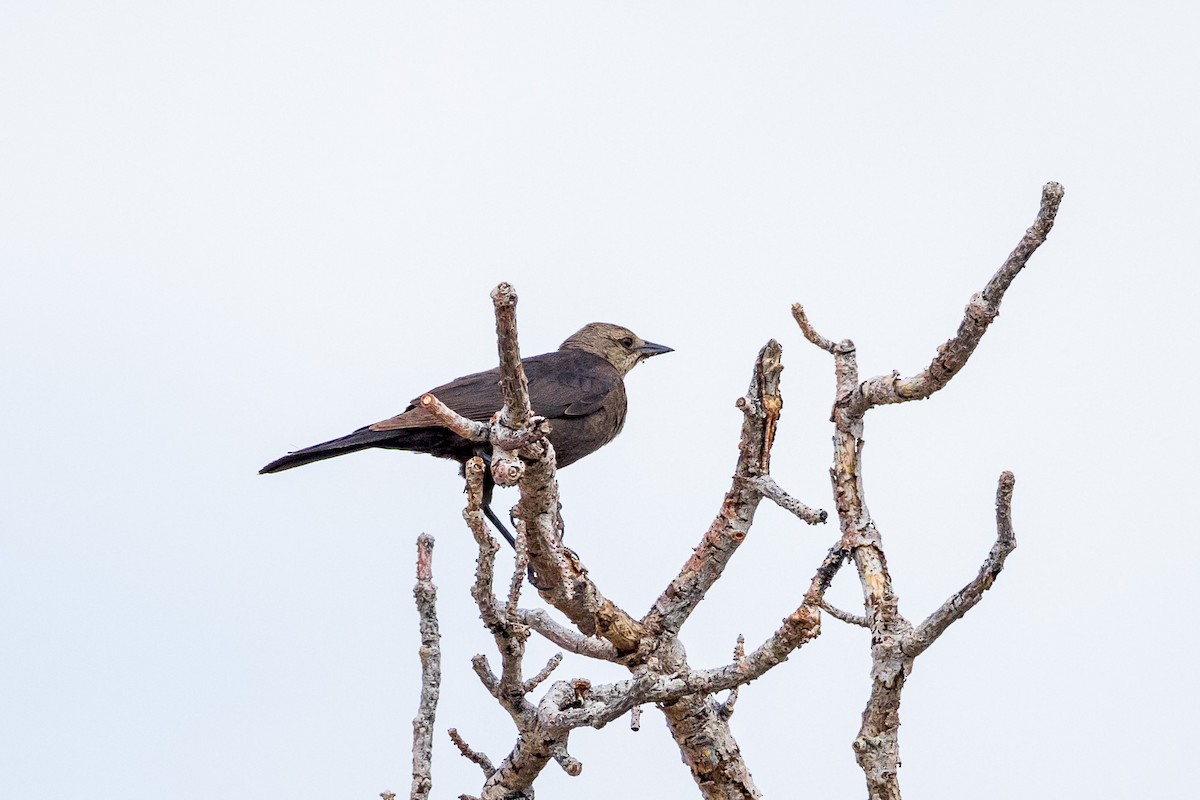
361	439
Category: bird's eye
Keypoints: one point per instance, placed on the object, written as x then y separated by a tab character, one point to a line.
627	341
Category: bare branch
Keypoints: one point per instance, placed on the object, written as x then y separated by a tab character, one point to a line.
801	626
983	308
771	490
1052	195
894	644
823	578
650	648
845	616
739	655
966	598
568	705
543	673
808	330
481	667
513	383
520	567
572	641
507	469
518	440
481	590
635	719
431	671
449	418
516	773
761	408
474	756
570	765
875	747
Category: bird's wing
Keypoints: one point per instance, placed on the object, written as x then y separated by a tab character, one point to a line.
476	396
570	383
565	383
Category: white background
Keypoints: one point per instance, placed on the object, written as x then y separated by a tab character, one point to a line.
232	229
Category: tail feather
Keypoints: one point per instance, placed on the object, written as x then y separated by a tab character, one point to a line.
361	439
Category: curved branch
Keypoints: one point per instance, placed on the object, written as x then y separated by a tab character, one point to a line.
809	331
845	616
472	755
983	308
966	598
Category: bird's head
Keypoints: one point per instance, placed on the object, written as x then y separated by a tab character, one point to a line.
621	347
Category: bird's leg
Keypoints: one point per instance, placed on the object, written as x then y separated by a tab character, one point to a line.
491	515
488	486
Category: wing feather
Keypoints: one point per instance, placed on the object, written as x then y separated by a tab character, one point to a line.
565	383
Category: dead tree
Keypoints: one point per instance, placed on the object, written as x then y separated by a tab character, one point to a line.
650	646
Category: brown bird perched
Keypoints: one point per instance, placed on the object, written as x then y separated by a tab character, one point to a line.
580	388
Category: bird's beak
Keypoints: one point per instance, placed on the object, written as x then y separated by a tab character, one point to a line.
651	349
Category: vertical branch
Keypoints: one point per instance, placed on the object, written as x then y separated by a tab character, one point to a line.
431	671
481	589
507	467
513	383
876	747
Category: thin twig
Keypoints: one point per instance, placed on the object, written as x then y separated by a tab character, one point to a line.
739	655
520	566
470	754
771	490
449	418
844	616
481	667
543	673
808	330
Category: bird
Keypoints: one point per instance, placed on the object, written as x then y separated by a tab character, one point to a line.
579	388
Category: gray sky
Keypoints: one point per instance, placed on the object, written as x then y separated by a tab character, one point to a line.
228	230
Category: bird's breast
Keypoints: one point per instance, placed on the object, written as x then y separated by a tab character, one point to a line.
575	437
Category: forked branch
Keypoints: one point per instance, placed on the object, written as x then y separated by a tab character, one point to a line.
894	642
